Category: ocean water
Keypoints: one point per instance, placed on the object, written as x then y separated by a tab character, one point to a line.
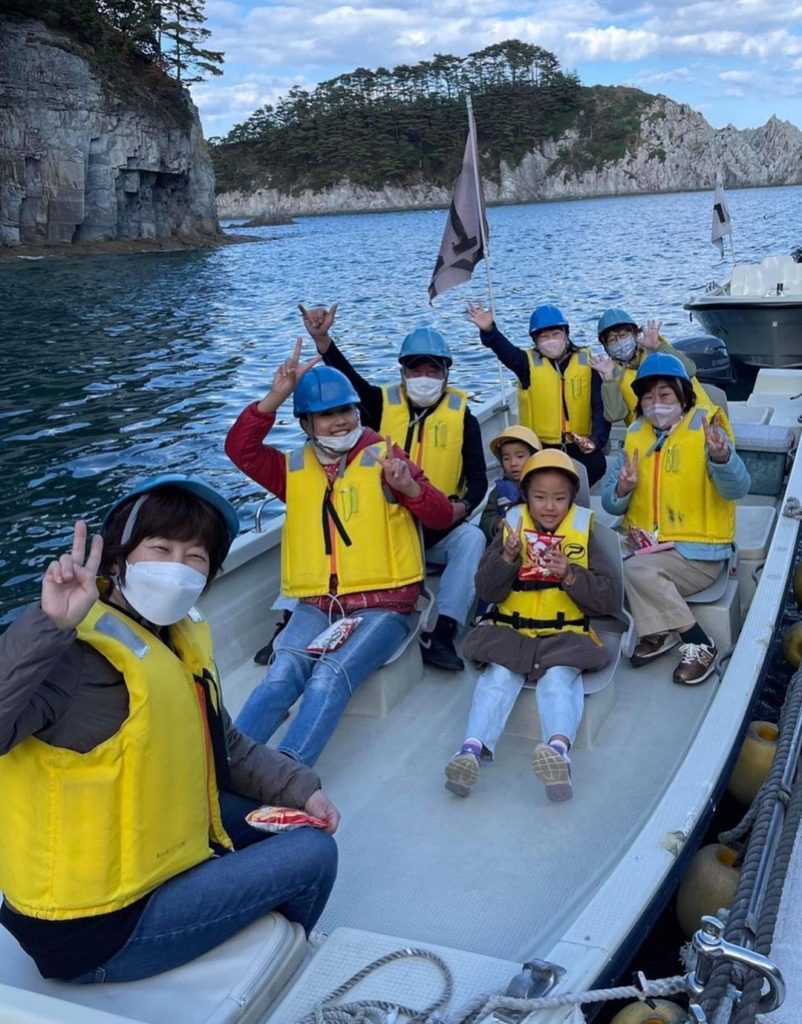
118	367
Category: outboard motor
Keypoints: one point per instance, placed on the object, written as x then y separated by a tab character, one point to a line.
711	357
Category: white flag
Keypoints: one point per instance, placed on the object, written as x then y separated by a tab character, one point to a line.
722	225
461	248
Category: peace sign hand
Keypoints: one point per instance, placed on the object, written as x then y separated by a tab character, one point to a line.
396	471
286	379
318	323
69	589
718	447
512	545
650	337
627	475
479	316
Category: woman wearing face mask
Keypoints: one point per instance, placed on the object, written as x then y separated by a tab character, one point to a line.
121	774
431	420
559	394
626	346
350	549
675	482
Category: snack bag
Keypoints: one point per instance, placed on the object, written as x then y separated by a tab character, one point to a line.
281	819
641	542
583	443
334	636
535	546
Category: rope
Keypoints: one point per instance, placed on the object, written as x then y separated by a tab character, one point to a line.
793	508
773	790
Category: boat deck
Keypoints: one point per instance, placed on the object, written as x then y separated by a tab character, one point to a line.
503	872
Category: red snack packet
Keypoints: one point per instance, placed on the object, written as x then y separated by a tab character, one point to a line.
281	819
535	546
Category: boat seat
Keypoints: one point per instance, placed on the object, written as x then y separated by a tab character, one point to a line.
235	983
721	619
717	396
754	415
754	525
716	590
387	687
607	518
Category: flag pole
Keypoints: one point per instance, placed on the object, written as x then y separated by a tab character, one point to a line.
485	245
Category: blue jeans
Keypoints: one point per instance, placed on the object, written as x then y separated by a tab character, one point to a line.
326	682
291	872
460	552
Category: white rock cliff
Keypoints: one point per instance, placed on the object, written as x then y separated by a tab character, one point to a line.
677	150
80	162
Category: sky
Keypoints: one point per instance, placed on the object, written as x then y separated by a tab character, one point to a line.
737	61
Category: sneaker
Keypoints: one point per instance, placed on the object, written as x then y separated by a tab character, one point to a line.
697	662
554	771
264	654
437	648
652	646
462	771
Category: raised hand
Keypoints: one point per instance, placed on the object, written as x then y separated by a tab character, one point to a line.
718	447
396	471
604	366
318	323
650	336
627	475
69	589
556	562
286	379
479	316
512	545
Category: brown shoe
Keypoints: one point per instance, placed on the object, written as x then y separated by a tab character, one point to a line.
698	661
652	646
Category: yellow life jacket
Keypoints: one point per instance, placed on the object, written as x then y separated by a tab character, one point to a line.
87	834
555	404
354	529
626	373
434	442
541	609
675	497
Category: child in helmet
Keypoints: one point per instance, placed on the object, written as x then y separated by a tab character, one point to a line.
350	550
676	481
546	576
626	346
559	393
513	447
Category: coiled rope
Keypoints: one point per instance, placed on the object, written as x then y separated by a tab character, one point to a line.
382	1011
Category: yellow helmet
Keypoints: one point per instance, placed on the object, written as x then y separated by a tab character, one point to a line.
515	433
549	458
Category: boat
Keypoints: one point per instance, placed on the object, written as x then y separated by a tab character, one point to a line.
501	879
757	312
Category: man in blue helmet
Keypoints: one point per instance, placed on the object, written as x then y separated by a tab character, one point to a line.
559	393
431	421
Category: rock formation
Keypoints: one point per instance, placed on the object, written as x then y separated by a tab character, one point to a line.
677	150
86	159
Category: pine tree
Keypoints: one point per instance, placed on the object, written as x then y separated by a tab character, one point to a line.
181	35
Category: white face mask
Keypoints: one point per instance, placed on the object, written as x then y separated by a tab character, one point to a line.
663	415
623	349
553	348
162	592
424	391
338	444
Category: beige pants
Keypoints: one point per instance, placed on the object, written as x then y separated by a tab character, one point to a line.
656	584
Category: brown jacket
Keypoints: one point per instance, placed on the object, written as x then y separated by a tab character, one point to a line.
592	590
61	690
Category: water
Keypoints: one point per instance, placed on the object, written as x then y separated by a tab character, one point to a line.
118	367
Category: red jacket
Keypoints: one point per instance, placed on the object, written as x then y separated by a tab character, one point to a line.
268	467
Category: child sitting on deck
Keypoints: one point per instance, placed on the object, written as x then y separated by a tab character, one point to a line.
513	447
546	575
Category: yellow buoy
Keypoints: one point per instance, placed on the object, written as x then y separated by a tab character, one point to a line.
754	762
709	883
664	1012
798	583
792	645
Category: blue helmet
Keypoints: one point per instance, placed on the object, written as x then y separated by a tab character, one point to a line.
613	318
322	388
545	317
659	364
186	482
424	341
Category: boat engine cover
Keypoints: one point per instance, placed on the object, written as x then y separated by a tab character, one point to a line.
710	355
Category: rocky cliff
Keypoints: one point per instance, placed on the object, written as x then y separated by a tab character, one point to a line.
86	156
675	150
